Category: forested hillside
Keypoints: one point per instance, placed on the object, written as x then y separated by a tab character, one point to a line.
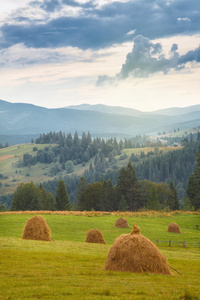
175	165
103	161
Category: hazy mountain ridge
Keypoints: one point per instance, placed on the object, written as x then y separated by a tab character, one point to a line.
175	111
119	110
99	120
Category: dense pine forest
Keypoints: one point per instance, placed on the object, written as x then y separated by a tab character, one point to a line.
155	175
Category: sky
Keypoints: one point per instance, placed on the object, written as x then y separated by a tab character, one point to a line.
142	54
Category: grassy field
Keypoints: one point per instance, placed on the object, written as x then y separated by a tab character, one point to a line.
137	151
13	175
69	268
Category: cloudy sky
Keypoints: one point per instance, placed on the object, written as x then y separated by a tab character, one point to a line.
143	54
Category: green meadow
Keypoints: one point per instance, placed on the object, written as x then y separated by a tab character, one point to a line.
13	173
69	268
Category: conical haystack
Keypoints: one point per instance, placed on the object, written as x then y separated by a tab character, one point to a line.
135	253
36	228
173	227
94	236
122	223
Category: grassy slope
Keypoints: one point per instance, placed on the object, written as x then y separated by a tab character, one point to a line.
8	167
40	172
181	133
70	268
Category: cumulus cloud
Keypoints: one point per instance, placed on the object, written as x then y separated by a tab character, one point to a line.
55	23
147	58
191	56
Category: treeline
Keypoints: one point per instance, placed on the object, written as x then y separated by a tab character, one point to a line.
5	146
67	151
5	202
128	194
154	166
174	165
82	149
193	187
71	148
78	150
62	138
28	196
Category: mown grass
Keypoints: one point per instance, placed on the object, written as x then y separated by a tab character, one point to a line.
74	225
69	268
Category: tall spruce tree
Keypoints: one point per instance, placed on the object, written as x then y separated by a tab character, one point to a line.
153	202
107	201
62	197
173	201
127	186
81	201
193	188
48	200
122	204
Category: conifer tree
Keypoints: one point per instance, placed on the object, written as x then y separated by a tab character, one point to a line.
107	200
153	202
48	200
122	204
81	201
173	201
187	204
193	188
127	186
62	197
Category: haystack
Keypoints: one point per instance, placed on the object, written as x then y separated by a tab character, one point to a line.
36	228
122	223
94	236
135	253
173	227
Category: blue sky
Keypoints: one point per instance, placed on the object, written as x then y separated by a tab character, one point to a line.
143	54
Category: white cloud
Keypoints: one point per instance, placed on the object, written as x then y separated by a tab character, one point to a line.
8	6
131	32
147	58
56	60
184	19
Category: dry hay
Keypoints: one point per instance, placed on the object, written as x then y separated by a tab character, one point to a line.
36	228
135	253
122	223
94	236
173	227
129	214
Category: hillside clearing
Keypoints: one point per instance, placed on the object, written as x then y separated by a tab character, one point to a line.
13	174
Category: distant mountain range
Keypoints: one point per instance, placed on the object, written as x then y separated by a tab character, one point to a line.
22	120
